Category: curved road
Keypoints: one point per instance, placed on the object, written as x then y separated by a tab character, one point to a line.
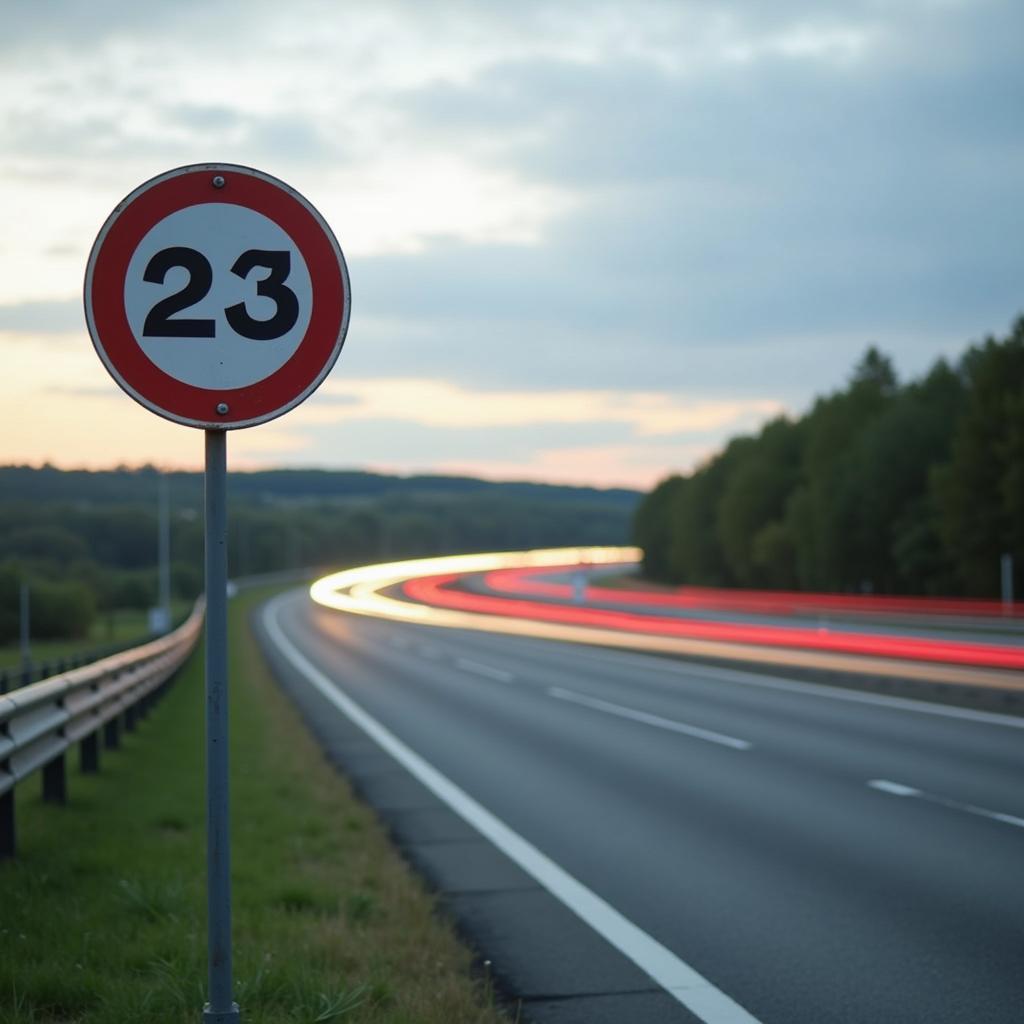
814	855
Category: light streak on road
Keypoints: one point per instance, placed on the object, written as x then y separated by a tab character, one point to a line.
426	581
527	582
358	590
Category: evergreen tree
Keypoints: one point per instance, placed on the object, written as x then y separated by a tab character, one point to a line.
916	488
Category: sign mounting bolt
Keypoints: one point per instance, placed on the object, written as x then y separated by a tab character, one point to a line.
218	181
222	408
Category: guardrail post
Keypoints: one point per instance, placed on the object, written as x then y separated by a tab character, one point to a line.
55	781
7	823
129	718
89	753
112	734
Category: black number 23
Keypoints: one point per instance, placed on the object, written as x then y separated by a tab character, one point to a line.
161	323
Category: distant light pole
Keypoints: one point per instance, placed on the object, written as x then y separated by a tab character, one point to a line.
165	552
1006	572
292	557
24	629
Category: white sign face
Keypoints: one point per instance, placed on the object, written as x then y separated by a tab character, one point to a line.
218	296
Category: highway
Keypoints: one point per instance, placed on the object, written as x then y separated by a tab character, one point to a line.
755	848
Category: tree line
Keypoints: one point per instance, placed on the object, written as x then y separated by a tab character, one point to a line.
882	486
87	542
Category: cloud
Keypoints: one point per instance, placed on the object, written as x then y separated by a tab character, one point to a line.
43	317
83	391
78	23
327	399
729	213
583	452
556	205
615	465
439	403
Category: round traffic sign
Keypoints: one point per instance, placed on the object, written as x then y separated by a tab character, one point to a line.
217	296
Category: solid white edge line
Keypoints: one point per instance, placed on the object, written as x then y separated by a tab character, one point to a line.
621	711
680	980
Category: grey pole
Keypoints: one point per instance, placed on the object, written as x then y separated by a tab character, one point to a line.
221	1009
293	546
24	629
1006	572
165	553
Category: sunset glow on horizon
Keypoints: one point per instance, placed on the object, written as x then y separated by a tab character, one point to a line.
583	249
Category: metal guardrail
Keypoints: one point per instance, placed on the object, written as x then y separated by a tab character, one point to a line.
13	677
40	722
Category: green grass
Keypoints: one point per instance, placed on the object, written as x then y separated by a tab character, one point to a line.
102	914
122	626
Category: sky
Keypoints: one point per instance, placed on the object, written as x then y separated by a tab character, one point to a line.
588	241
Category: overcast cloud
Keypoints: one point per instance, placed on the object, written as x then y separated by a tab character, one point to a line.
718	205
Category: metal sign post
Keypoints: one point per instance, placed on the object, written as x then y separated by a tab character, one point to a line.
217	297
221	1009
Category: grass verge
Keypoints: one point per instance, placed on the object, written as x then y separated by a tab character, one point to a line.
102	914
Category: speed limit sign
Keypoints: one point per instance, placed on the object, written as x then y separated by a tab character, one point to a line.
217	296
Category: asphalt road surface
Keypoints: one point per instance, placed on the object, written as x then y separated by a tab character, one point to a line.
742	847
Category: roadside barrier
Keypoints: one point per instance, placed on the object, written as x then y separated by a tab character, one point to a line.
14	677
40	722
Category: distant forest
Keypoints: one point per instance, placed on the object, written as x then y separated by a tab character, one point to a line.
914	488
86	542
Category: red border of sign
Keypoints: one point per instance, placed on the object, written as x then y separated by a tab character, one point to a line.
115	341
